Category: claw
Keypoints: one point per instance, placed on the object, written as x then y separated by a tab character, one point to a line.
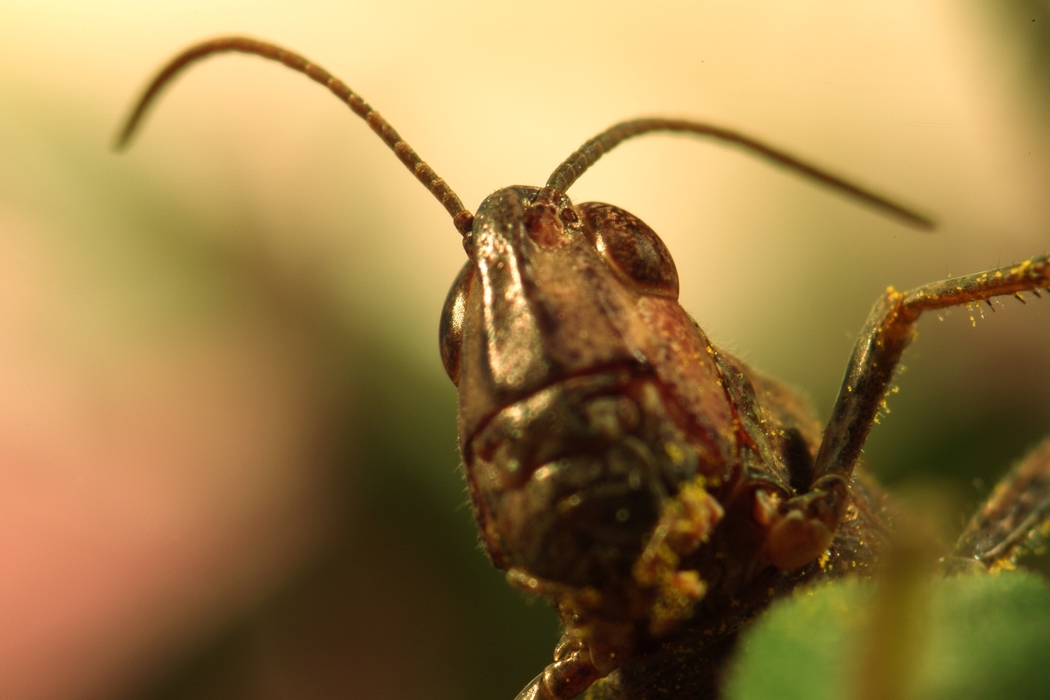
802	528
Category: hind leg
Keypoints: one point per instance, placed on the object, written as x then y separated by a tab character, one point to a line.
1014	521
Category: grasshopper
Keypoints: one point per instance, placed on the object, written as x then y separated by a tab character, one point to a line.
657	490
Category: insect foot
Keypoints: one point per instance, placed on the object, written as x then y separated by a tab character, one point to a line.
801	529
577	666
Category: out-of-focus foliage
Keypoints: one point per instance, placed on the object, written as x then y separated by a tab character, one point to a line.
985	637
1025	29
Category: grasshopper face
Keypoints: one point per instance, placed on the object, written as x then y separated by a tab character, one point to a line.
600	438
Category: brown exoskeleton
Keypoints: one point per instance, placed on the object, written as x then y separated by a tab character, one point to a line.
660	492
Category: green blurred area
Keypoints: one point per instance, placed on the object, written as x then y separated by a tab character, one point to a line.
983	637
1022	28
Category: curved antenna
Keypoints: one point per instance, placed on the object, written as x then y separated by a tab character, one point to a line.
587	154
461	218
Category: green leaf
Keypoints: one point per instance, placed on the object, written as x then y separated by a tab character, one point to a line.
986	636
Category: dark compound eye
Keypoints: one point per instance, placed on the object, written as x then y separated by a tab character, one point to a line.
631	248
450	330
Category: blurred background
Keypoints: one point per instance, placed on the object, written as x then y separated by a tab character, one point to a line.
228	464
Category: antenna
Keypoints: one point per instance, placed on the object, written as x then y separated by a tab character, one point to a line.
461	218
586	155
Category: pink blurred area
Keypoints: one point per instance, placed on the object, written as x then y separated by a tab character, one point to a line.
180	445
149	487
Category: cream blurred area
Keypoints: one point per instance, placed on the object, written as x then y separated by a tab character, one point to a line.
227	446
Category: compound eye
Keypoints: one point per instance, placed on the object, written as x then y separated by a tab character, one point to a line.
453	315
631	248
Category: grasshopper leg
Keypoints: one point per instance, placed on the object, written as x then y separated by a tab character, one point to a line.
1015	520
572	672
801	526
888	331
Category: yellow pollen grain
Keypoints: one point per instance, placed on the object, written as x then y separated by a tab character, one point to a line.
676	453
